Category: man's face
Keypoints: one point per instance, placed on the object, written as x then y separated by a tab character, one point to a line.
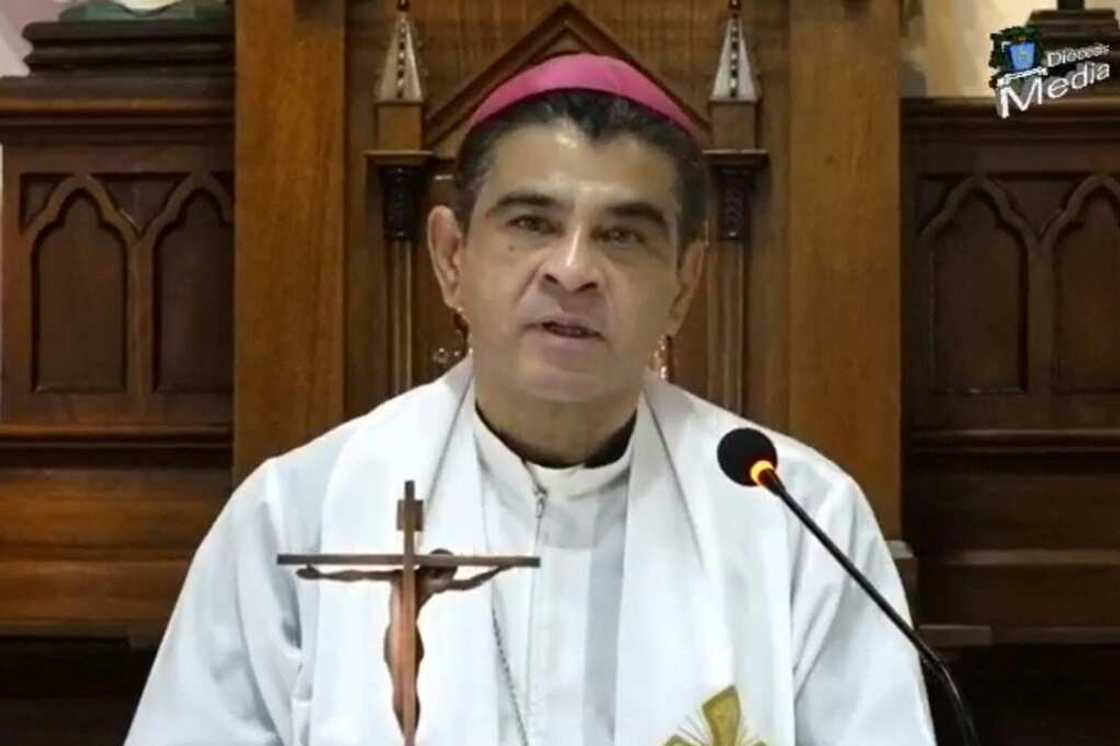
570	275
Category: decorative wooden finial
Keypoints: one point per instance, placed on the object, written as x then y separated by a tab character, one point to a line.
735	79
734	111
400	74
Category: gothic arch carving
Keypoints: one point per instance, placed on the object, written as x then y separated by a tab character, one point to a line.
107	210
952	368
1084	361
196	182
190	333
52	281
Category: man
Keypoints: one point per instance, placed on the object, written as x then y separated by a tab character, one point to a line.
671	606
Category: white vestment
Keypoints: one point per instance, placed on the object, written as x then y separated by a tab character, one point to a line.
558	624
720	587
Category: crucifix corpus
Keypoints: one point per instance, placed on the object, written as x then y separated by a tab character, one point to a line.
414	578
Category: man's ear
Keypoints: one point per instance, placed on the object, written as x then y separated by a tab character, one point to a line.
689	272
445	247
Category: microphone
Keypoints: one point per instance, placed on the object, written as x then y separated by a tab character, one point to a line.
749	458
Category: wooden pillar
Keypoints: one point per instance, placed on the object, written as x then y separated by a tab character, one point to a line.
288	288
734	159
844	253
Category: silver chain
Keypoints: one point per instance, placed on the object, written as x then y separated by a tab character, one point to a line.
499	639
521	730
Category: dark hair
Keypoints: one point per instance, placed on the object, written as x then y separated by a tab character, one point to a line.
600	116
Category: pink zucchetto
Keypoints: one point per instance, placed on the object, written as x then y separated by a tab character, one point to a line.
586	72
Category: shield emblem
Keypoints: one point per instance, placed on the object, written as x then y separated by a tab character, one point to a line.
1022	55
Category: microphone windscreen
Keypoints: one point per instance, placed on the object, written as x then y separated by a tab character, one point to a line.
741	449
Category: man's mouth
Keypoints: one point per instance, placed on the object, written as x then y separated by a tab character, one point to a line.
567	330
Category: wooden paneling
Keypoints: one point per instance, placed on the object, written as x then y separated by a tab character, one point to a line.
86	316
1003	501
1011	240
1013	327
290	211
99	525
1007	589
79	288
101	595
977	254
86	511
69	720
69	692
117	274
1084	248
116	329
193	293
1026	695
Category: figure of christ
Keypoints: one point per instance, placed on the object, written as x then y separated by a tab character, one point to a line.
429	582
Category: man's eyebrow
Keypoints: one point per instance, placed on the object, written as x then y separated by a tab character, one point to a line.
642	210
523	198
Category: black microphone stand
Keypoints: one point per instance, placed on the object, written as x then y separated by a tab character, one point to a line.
769	479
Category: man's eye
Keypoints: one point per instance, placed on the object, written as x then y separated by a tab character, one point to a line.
623	236
531	223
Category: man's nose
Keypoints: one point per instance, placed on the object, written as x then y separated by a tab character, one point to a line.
572	262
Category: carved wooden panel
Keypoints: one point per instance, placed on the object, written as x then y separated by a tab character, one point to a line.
115	324
79	288
115	321
118	290
977	250
1084	246
1001	312
193	305
1012	302
97	537
36	188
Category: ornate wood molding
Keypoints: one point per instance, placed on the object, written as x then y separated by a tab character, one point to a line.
937	119
179	47
101	440
1026	242
736	90
734	172
400	75
90	77
199	181
985	186
403	180
1009	442
87	184
400	165
566	28
1007	491
1056	246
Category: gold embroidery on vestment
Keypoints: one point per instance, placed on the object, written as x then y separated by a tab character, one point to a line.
722	724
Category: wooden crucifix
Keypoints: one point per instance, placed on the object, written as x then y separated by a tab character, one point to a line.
414	578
